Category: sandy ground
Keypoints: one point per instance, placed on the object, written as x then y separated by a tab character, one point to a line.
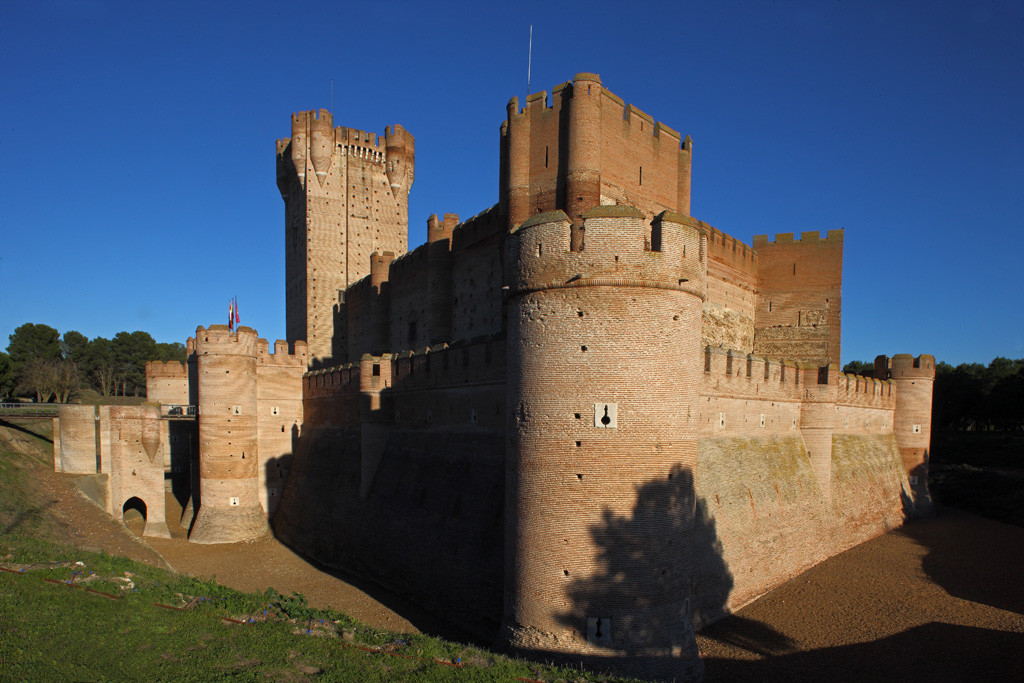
940	599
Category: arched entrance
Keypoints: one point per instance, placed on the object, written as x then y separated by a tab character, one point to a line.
134	514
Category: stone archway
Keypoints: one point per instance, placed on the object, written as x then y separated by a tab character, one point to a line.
134	514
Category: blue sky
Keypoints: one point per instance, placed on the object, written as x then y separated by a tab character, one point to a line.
137	177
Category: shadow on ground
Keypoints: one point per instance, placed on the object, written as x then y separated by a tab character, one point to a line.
930	652
973	558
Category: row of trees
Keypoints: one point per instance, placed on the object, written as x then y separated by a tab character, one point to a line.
971	396
43	364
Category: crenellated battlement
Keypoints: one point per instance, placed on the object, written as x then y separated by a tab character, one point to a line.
477	228
171	369
622	248
281	355
834	237
729	249
746	375
538	104
332	381
588	148
438	230
906	366
219	339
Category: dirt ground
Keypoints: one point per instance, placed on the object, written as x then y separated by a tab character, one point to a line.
939	599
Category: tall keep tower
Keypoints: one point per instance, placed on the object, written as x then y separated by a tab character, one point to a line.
346	196
603	375
589	148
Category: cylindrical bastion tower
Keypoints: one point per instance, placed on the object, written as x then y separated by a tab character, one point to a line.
229	503
604	353
912	420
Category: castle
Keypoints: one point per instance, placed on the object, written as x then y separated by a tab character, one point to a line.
582	420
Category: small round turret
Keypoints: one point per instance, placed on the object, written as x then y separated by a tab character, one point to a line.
518	135
321	142
912	421
298	144
583	183
400	148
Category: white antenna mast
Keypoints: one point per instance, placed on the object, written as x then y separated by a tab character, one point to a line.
529	62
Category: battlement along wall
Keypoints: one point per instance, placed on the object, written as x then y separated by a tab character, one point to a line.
447	290
760	422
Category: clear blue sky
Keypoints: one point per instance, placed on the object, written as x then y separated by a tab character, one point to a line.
137	177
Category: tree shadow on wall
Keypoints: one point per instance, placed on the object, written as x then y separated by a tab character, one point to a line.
661	572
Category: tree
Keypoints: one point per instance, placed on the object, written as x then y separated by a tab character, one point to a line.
72	346
859	367
170	351
131	351
31	341
36	376
6	375
97	365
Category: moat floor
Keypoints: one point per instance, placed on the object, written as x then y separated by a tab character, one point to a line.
941	599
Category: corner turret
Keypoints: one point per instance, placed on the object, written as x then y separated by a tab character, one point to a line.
400	147
912	420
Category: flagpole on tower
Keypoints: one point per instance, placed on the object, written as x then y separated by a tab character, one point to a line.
529	61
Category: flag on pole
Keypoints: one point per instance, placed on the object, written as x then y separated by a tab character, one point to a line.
237	319
231	315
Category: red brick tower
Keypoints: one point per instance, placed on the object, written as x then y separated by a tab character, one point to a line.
912	421
603	372
588	148
346	195
229	501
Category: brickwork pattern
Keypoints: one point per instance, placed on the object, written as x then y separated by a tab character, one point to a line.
139	453
346	197
589	148
572	459
799	303
229	502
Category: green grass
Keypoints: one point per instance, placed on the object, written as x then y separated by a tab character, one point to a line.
71	615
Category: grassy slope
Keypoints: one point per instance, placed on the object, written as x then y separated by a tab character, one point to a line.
67	614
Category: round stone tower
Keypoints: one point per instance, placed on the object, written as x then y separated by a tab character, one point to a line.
604	366
912	420
229	502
